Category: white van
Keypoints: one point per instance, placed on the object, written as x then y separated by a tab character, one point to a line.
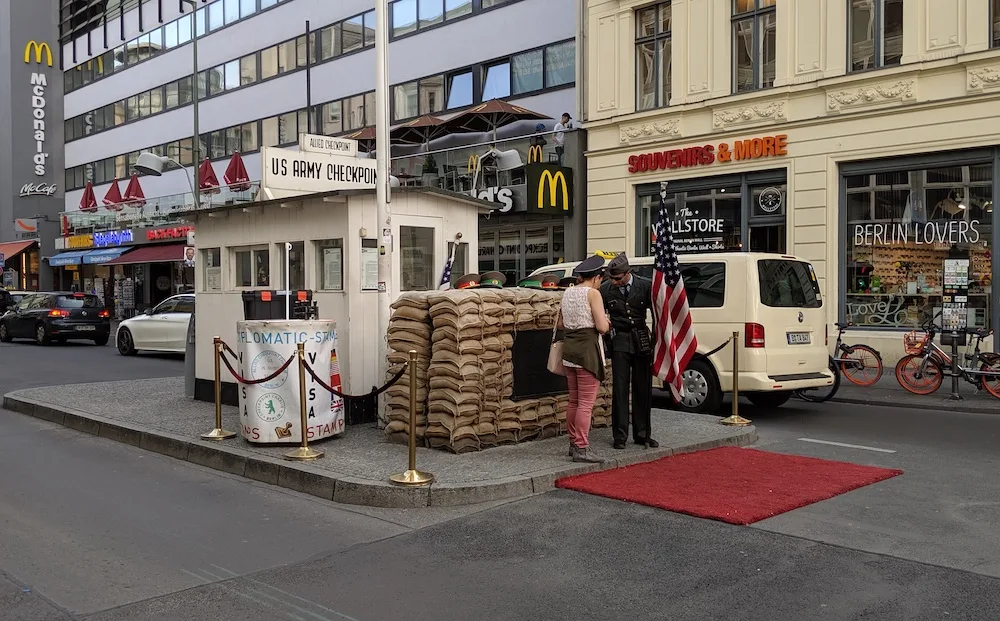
773	301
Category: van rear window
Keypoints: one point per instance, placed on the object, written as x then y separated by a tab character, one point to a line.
788	284
78	301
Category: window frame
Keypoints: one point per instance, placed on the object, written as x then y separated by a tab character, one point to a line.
756	15
655	39
319	248
878	44
252	249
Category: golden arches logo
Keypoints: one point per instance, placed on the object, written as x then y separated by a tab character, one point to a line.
535	153
39	49
473	163
554	181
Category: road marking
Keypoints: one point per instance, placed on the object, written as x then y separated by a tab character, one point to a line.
236	592
291	595
854	446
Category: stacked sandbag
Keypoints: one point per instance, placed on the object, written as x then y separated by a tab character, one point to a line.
409	329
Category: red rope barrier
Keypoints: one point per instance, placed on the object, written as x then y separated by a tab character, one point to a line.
374	393
243	380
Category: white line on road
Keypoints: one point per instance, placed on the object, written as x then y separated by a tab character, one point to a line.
854	446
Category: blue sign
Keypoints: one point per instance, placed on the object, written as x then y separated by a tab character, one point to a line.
112	238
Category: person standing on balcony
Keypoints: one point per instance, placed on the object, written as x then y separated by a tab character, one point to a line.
560	136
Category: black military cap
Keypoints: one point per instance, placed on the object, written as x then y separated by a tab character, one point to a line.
590	266
566	283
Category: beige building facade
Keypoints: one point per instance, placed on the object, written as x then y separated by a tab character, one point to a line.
860	135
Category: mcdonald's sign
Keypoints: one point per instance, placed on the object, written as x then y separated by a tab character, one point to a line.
39	49
535	153
473	164
550	189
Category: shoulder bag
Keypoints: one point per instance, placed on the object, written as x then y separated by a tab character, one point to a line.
555	364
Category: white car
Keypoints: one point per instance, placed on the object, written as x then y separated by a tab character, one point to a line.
162	329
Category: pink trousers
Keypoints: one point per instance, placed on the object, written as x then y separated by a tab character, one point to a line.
583	387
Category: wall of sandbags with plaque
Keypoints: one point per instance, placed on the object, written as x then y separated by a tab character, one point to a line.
465	372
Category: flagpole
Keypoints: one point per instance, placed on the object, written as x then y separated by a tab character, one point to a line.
382	191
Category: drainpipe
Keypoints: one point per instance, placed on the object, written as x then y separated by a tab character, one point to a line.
581	60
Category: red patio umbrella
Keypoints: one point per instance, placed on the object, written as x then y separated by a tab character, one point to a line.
88	202
488	116
208	183
113	199
236	176
133	193
420	130
365	137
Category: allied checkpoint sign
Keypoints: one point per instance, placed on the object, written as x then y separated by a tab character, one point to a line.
287	173
269	412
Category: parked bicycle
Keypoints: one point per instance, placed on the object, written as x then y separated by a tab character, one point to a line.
860	364
925	366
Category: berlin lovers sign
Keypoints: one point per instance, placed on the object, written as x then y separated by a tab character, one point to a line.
288	173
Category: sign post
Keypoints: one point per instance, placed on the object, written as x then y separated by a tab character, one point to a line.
954	314
382	187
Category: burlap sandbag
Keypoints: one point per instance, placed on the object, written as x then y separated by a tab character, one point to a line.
410	313
474	347
437	432
418	328
476	332
451	296
413	299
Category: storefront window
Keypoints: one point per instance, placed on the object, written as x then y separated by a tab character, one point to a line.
330	264
702	220
901	226
416	261
211	261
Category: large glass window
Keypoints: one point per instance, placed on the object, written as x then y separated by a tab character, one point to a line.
995	22
901	226
416	261
560	65
251	267
460	90
754	38
875	33
496	81
527	73
432	94
702	220
652	56
404	98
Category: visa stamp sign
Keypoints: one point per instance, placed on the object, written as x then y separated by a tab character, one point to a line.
295	172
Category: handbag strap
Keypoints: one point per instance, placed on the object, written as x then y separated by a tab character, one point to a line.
555	326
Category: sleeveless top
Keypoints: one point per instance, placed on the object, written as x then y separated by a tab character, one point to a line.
576	312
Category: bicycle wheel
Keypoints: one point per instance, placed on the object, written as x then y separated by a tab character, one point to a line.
864	366
991	364
823	393
919	375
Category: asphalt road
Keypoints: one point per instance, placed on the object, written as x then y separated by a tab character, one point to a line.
94	530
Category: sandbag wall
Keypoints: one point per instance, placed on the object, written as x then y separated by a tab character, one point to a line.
470	374
409	329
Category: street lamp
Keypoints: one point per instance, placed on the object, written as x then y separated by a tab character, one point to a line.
152	164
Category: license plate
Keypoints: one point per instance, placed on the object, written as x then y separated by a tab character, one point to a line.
799	338
86	328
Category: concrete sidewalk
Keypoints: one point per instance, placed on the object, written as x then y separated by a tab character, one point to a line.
155	415
888	392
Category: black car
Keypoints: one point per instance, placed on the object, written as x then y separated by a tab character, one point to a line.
7	301
48	317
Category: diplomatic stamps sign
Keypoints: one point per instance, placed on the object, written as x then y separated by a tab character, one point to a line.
269	411
288	173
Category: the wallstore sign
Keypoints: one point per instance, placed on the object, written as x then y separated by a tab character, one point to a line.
706	155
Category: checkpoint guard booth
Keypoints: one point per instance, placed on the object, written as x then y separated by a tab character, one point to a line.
316	218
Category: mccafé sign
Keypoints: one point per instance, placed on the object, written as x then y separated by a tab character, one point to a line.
174	232
706	155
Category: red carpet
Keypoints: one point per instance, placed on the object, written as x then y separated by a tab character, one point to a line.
729	484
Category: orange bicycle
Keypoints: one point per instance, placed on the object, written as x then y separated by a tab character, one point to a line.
925	366
860	364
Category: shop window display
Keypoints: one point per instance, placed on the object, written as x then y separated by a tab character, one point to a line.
901	226
702	220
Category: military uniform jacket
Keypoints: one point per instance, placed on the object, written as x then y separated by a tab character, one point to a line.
627	313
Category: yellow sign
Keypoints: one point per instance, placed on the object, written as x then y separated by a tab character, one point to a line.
473	163
534	153
80	241
554	182
39	49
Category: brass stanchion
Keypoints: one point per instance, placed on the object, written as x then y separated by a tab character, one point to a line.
412	477
304	452
218	433
735	419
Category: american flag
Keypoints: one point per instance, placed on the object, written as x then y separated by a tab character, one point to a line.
675	338
445	283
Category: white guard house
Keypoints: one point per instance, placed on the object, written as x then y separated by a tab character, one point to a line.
321	200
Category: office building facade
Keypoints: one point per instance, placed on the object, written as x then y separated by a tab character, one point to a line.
270	70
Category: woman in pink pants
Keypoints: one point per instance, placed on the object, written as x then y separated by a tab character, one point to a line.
583	320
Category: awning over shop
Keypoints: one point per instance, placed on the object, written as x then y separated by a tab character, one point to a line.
73	257
8	250
103	255
166	253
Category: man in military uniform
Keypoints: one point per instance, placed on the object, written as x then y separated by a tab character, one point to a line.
628	298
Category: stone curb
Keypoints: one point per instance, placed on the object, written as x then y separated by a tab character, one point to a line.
330	485
931	404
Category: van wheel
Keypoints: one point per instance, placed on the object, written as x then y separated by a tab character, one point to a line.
701	389
769	399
